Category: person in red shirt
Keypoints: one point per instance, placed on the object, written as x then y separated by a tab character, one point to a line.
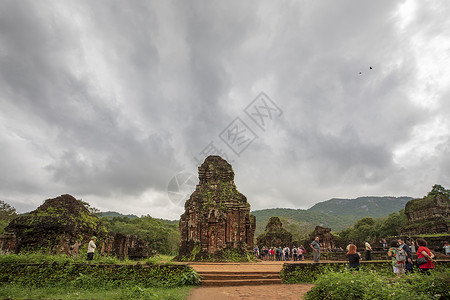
423	251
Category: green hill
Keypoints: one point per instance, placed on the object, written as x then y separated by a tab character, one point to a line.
299	222
374	207
113	214
336	214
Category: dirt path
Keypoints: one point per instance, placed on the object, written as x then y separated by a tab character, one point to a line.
266	266
274	291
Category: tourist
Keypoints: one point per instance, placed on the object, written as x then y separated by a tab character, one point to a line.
368	250
413	246
287	251
300	253
348	246
283	254
278	253
272	254
353	258
266	253
256	252
316	249
397	265
424	252
408	263
384	244
294	253
91	248
446	248
303	252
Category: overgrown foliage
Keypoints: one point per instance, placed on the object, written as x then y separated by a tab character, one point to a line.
394	224
7	213
227	255
163	236
307	273
373	285
93	275
372	229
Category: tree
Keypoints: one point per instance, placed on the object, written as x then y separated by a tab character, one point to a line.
394	223
7	213
438	189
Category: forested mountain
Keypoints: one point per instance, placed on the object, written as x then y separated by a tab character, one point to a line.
361	207
336	214
113	214
298	221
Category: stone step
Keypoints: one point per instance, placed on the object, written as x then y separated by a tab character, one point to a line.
240	282
217	278
225	276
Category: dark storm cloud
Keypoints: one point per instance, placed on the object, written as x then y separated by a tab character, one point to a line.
109	100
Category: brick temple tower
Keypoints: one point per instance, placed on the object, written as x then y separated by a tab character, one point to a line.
217	216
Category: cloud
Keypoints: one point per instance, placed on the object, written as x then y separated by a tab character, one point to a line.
109	101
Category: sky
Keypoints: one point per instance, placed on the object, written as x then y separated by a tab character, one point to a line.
117	102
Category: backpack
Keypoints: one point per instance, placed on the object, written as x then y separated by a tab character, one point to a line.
400	256
294	250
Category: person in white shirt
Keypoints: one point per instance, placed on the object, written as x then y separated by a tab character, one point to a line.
91	248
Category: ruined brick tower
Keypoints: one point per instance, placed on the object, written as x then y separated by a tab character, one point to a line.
217	216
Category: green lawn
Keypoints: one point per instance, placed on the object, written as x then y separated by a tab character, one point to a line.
14	291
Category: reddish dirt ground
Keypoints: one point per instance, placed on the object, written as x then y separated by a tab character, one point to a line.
274	291
280	291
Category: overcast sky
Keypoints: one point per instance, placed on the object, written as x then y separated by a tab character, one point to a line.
109	100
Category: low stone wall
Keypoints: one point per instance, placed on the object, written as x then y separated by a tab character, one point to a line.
308	272
47	274
120	245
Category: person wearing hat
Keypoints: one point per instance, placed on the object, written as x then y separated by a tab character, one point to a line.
91	248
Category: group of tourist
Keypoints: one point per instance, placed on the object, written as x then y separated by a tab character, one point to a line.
280	253
400	253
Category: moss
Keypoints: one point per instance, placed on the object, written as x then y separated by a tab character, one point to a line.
63	215
427	202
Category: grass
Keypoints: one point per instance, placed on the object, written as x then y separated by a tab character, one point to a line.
14	291
60	258
90	285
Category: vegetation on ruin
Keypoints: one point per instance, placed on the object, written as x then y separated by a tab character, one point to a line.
227	255
274	235
437	192
58	217
7	213
373	285
395	223
59	276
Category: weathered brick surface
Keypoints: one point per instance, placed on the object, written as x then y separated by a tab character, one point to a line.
217	216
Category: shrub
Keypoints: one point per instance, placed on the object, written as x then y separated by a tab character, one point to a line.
372	285
95	275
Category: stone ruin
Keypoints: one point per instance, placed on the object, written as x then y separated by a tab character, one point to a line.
428	215
274	235
65	225
326	239
217	216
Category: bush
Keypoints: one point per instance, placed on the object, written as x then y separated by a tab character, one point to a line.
91	275
372	285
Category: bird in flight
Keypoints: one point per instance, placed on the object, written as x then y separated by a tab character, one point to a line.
370	68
